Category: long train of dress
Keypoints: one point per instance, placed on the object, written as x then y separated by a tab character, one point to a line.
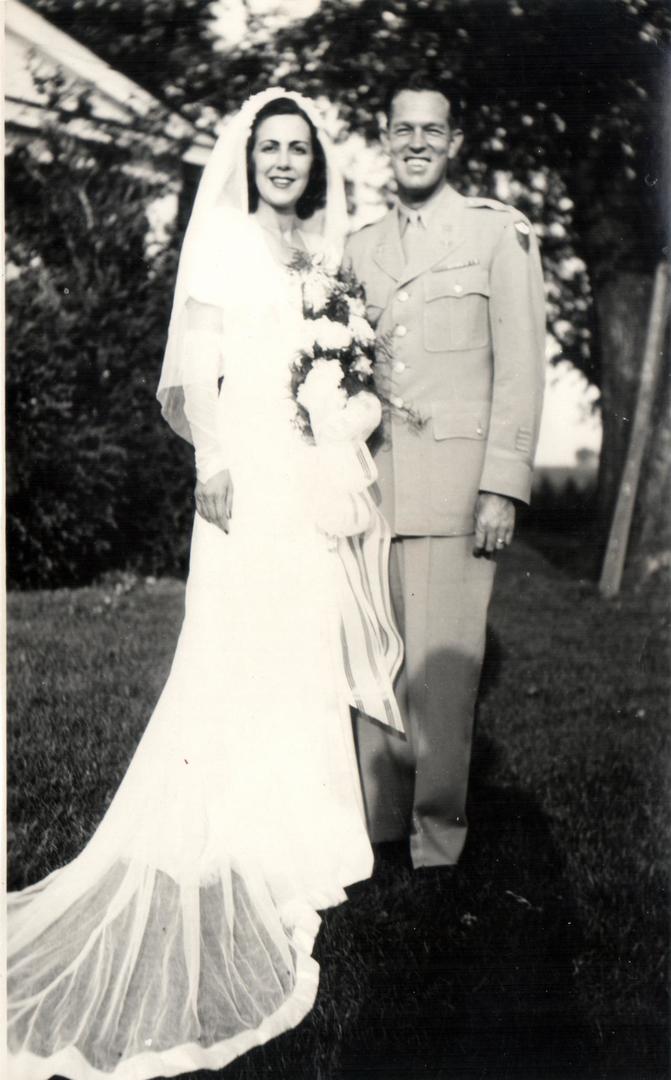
181	936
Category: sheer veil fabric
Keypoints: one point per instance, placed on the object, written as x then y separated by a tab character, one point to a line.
181	936
223	187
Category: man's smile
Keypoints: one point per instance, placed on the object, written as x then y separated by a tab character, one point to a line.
417	163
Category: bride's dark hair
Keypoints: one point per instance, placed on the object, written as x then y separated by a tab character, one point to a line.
314	196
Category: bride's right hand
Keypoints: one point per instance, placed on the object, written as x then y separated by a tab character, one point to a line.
214	499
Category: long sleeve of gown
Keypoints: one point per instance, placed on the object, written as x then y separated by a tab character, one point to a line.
203	364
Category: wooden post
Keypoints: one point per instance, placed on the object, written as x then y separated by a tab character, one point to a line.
613	563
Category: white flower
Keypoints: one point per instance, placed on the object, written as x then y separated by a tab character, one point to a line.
330	335
316	292
356	305
364	366
362	330
322	387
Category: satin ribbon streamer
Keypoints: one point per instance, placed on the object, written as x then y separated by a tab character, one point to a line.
369	641
372	650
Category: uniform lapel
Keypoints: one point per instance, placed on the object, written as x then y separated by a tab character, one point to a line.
388	253
443	234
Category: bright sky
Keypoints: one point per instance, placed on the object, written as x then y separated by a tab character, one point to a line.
568	423
230	14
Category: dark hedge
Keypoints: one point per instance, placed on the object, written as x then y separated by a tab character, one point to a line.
95	479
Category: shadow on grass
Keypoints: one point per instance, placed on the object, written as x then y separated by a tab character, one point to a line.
477	978
475	974
572	545
561	525
459	975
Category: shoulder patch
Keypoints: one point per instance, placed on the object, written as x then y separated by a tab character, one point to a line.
522	232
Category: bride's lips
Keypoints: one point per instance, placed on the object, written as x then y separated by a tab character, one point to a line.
281	181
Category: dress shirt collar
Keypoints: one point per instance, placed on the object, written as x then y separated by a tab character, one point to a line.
422	216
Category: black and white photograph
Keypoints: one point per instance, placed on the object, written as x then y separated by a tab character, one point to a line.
338	539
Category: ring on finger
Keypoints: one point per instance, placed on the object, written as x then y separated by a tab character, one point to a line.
500	542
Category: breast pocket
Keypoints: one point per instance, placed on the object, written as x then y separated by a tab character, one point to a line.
456	310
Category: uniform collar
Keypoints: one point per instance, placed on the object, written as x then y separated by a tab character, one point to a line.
424	214
445	234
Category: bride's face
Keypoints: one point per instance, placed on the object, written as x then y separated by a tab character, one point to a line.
282	158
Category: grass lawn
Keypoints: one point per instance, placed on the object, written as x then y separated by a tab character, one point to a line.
544	957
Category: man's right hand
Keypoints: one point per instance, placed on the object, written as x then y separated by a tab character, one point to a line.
214	499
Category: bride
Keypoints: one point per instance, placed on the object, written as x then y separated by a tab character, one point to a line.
181	936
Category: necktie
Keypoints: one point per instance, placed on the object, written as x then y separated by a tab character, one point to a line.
413	236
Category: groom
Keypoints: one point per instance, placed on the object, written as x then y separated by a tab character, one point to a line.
454	287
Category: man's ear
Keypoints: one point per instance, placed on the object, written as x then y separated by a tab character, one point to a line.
456	139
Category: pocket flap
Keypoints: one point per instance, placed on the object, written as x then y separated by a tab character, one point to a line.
457	283
459	421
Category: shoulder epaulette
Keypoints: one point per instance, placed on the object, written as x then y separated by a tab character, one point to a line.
476	202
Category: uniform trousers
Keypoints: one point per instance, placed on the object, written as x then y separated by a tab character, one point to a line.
418	786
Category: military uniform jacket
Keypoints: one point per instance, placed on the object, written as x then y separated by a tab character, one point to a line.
463	330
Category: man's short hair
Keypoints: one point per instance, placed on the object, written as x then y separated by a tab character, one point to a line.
416	81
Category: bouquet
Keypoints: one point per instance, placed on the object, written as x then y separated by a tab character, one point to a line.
338	408
335	363
342	366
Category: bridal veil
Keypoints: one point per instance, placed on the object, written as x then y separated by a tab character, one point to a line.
214	248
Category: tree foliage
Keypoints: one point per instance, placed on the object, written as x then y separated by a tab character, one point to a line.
166	46
565	113
94	481
568	98
574	91
574	94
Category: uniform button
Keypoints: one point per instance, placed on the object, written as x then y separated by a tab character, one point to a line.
397	402
479	431
403	296
401	330
399	366
458	289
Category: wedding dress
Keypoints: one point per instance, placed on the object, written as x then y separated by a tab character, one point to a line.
181	936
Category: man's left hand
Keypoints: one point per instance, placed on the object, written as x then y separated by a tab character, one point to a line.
494	523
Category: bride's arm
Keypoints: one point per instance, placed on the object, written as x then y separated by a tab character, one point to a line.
214	487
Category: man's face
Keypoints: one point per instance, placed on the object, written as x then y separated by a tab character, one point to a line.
421	141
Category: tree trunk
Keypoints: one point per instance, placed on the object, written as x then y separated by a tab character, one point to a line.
622	307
